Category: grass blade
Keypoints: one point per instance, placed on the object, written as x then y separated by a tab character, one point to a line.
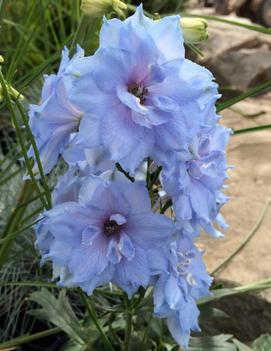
252	129
252	92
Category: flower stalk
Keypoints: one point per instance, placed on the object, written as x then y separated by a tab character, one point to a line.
92	314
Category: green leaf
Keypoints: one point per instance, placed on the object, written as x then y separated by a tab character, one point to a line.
28	338
263	343
219	293
59	312
212	343
209	312
73	346
241	346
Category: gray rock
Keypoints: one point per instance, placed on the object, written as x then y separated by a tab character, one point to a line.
238	57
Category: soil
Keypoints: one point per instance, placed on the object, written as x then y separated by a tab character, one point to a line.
248	317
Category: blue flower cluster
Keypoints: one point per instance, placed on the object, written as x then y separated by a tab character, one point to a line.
136	98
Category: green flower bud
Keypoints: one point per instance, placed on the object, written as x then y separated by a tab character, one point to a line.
13	92
1	59
194	30
97	8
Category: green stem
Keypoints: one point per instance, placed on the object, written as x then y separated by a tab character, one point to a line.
128	331
33	214
166	206
251	92
252	129
30	284
92	314
245	241
147	329
36	153
127	175
14	221
13	235
28	338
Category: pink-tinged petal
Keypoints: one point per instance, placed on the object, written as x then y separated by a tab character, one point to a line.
130	100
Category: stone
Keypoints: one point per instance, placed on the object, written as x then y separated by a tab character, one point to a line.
239	58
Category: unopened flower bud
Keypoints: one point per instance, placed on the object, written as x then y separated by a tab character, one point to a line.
194	30
97	8
11	91
1	59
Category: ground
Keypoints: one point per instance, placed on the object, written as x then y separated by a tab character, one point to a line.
249	187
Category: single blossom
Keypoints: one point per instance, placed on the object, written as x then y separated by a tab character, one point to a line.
106	234
195	183
54	120
143	98
176	292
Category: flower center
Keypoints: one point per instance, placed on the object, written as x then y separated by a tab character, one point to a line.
139	91
111	227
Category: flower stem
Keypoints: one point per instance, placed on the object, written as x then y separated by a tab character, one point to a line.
147	329
92	314
28	338
128	332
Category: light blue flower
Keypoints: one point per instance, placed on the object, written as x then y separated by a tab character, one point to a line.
142	96
55	119
176	292
108	234
195	183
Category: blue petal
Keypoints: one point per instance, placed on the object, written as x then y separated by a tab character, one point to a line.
165	32
130	275
126	246
149	230
89	234
113	252
118	218
173	294
88	261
